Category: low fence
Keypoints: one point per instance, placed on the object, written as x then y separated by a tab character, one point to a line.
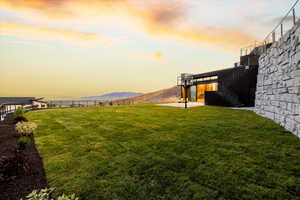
8	108
285	24
73	103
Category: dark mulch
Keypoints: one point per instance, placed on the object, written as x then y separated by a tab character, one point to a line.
20	171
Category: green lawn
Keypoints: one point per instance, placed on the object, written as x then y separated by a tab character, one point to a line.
150	152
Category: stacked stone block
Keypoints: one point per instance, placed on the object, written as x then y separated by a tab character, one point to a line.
278	82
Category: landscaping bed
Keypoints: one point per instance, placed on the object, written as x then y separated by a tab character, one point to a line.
20	171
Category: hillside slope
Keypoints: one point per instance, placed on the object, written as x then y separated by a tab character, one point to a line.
113	96
165	95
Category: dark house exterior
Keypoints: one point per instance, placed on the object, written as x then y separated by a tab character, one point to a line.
234	87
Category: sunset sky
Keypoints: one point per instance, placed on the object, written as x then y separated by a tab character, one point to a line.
75	48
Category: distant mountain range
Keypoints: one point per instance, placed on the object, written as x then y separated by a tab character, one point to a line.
166	95
113	96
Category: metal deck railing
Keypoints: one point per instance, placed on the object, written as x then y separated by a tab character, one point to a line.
73	103
285	24
6	109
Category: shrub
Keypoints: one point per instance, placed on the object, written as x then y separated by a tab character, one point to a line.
46	194
20	111
67	197
21	119
2	178
25	128
43	194
51	105
23	143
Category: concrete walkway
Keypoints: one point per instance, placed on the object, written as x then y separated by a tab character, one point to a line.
181	105
245	108
195	104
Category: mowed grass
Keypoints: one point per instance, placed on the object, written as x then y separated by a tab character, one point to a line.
151	152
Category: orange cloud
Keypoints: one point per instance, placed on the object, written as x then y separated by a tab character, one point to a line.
157	56
161	18
53	8
224	38
36	32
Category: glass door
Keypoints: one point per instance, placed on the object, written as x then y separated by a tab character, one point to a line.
193	96
200	93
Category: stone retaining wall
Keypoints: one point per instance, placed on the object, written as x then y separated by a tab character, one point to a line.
278	82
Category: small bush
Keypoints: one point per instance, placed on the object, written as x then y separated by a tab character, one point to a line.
67	197
51	105
2	179
43	194
46	194
19	112
21	119
25	128
23	143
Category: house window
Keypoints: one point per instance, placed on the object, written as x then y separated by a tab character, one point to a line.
202	88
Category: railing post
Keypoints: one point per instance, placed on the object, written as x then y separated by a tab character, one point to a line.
281	29
294	16
273	37
2	112
248	60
